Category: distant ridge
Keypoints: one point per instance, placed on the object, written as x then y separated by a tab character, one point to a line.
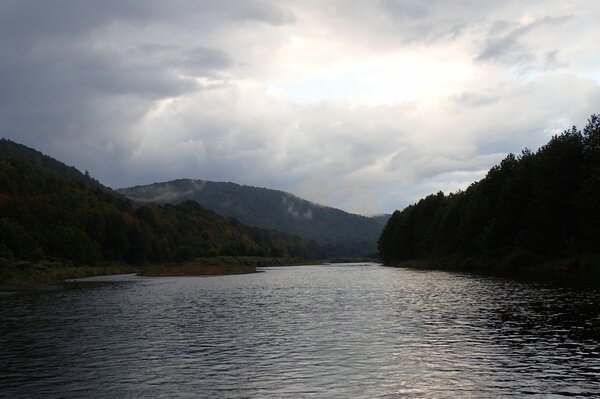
273	209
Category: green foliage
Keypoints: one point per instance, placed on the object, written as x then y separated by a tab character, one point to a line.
69	242
542	204
340	233
57	216
15	239
10	149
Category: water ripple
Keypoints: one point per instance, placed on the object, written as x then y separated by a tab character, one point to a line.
360	331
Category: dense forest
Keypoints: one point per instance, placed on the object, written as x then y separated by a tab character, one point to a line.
51	211
341	233
535	206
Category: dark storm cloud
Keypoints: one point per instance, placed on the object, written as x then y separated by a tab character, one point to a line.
50	44
74	89
31	18
24	20
62	88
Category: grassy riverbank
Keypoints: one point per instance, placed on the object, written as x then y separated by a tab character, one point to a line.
585	266
217	266
16	274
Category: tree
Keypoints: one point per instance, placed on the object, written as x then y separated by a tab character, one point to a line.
544	203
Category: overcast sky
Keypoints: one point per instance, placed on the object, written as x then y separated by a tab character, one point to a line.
362	105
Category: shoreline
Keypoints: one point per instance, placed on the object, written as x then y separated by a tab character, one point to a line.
19	276
576	269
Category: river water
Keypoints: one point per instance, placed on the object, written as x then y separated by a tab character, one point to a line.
333	331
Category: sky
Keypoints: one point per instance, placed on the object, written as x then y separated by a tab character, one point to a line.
365	106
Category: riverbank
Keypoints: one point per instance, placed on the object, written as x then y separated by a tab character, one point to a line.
354	259
16	274
221	265
23	274
586	266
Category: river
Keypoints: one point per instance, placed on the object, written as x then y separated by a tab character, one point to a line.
331	331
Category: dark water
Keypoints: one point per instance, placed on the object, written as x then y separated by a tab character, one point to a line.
361	331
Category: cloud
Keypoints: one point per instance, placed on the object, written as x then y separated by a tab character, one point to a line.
200	60
408	9
365	106
505	42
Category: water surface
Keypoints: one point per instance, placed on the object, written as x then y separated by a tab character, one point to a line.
336	331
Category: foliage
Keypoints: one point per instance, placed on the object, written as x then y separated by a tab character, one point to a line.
339	232
543	204
10	149
52	216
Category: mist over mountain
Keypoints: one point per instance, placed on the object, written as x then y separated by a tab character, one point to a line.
342	232
51	211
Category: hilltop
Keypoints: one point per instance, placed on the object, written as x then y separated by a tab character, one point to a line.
10	149
342	233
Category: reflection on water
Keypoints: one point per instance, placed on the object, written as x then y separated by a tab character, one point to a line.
361	331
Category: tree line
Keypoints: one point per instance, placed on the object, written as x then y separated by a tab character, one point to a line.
544	204
48	216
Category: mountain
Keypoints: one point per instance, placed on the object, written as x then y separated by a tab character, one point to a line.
52	211
536	207
342	233
10	149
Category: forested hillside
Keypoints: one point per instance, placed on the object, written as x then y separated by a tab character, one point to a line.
35	158
62	216
341	233
538	205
